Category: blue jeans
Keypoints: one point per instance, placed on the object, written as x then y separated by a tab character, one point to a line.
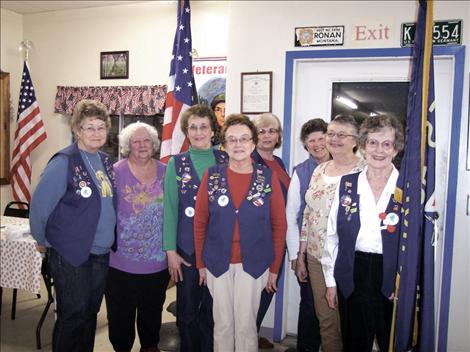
79	292
193	310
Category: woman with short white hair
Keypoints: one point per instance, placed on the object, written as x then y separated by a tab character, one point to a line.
138	274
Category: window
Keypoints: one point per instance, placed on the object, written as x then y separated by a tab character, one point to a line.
118	122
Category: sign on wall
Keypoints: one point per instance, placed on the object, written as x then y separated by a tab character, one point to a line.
443	33
209	75
319	36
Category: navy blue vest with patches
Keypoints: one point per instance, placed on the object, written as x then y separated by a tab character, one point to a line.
188	182
348	225
71	227
304	171
254	219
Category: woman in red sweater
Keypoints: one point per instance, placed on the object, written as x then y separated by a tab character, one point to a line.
239	233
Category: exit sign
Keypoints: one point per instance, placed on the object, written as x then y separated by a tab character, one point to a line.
443	33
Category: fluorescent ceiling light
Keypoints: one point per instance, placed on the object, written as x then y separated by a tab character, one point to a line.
346	101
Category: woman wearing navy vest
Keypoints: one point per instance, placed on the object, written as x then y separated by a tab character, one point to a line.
182	179
313	138
239	235
341	141
361	250
73	215
269	131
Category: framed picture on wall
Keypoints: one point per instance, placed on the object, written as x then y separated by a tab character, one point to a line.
256	92
114	65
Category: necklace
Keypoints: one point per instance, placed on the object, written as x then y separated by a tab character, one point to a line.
103	182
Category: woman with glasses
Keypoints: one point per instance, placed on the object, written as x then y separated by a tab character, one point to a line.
313	138
73	215
239	236
341	141
182	179
360	256
269	132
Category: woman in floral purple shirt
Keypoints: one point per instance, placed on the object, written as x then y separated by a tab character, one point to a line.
138	274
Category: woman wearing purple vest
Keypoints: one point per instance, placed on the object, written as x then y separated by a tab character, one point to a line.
138	274
313	137
73	215
341	141
182	179
361	248
239	237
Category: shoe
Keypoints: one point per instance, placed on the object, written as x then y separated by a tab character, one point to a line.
265	344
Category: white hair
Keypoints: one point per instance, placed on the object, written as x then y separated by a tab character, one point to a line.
128	132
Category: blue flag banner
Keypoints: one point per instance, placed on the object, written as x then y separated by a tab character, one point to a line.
413	318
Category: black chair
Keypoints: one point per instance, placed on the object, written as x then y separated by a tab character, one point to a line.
18	210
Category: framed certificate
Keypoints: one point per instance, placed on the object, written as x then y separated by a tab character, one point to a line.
256	92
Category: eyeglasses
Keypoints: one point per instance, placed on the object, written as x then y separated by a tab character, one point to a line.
231	140
91	130
270	131
386	145
340	135
202	128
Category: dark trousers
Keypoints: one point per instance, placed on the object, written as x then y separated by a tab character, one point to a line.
367	313
130	296
267	297
79	292
308	327
194	310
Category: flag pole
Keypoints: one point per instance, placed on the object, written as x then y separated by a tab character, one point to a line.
391	344
25	47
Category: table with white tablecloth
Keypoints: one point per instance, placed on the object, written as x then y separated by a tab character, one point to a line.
20	262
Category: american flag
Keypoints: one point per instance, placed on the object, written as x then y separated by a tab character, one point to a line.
30	132
181	87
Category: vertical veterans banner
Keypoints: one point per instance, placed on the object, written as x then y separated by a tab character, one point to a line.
413	320
210	76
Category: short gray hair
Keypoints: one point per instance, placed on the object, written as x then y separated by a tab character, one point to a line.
127	133
269	119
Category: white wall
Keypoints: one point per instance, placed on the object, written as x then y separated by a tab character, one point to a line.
11	34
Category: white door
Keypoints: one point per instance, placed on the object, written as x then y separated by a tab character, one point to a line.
311	97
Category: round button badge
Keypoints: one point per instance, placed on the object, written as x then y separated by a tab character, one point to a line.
85	192
223	200
189	212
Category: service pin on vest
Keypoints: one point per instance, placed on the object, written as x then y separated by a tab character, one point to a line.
189	212
85	192
223	200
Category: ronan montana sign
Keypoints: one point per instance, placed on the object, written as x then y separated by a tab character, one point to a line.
319	36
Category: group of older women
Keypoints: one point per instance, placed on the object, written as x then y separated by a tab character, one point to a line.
215	222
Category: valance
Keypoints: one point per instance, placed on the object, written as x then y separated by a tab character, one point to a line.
126	100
